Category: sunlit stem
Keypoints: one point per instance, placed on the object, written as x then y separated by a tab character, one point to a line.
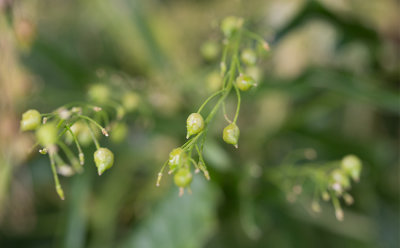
78	146
103	130
71	156
338	209
59	189
93	136
160	174
208	99
238	103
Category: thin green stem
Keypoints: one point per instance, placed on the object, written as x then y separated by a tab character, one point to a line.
102	129
78	146
208	99
93	136
238	103
59	189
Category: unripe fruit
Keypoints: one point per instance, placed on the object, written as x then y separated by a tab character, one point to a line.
352	166
104	160
31	120
230	25
231	134
130	101
47	134
245	82
210	50
99	93
118	132
183	178
248	56
194	124
176	158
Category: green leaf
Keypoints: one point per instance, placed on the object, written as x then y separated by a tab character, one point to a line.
186	221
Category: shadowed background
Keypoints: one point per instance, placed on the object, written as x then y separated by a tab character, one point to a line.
329	85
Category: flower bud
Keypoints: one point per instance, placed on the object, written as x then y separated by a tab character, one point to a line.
194	124
31	120
248	56
231	134
47	134
104	160
183	178
245	82
176	158
230	25
352	166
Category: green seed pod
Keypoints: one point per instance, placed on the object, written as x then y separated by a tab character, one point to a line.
99	93
176	158
31	120
214	81
47	134
231	134
339	177
104	160
194	124
183	178
352	166
230	25
245	82
248	56
210	50
130	101
118	132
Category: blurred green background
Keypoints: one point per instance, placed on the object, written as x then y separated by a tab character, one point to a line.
330	84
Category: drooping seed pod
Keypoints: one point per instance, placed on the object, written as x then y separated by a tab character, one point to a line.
176	158
231	134
194	124
104	160
183	178
31	120
47	134
119	132
245	82
352	166
248	56
230	25
210	50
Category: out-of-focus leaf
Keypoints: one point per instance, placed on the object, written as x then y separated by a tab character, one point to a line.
179	221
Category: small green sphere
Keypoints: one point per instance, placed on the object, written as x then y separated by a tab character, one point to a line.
194	124
183	178
176	158
130	101
248	56
230	25
231	134
245	82
119	132
47	134
104	160
99	93
352	166
31	120
210	50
